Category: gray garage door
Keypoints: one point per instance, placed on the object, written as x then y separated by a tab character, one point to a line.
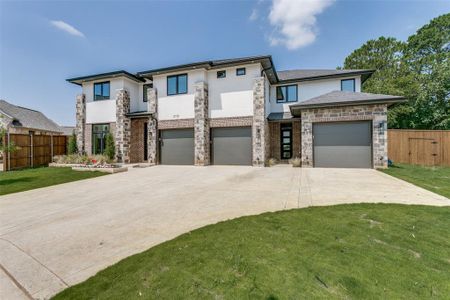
343	145
177	147
232	146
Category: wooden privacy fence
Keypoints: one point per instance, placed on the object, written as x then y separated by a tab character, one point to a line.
33	150
419	147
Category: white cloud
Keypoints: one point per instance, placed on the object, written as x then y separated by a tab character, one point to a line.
67	28
295	21
254	15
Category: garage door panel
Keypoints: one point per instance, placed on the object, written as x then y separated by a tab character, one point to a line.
343	145
177	147
232	146
342	156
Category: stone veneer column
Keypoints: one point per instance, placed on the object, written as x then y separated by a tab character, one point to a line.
152	126
81	122
379	135
201	124
259	123
306	139
123	126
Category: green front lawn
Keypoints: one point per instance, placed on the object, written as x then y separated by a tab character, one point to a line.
435	179
362	251
28	179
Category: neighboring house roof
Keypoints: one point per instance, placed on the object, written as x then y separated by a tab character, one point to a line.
67	130
265	60
279	116
80	80
24	117
304	75
344	98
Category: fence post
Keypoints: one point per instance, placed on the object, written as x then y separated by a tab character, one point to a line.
51	147
31	148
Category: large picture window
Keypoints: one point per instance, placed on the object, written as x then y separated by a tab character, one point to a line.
287	93
101	90
348	85
144	91
99	132
177	84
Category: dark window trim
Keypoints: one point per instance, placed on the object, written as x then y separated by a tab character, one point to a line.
144	91
350	79
177	92
224	74
287	97
241	69
93	136
102	83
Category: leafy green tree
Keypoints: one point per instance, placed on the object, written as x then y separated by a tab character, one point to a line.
72	147
4	147
110	148
417	69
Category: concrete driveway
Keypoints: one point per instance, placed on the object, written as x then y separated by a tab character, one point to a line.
54	237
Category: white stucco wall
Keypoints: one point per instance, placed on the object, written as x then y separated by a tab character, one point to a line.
232	96
177	106
309	89
102	111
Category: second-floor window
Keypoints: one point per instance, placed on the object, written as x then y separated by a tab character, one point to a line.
177	84
348	85
101	90
287	93
144	91
221	74
240	71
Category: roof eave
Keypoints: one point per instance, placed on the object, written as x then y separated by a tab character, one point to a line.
389	102
121	73
366	74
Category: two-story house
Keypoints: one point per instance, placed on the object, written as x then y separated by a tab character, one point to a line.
234	112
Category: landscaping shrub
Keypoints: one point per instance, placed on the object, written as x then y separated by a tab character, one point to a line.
72	147
271	162
296	162
110	149
81	159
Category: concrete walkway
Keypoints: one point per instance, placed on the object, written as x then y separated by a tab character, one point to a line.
54	237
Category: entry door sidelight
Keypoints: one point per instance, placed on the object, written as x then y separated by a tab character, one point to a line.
286	141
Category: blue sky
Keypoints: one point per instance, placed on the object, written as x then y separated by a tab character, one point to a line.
37	54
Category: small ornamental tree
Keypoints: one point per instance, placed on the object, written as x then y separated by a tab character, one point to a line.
110	148
72	147
4	147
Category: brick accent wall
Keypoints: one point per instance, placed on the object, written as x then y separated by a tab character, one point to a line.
376	113
173	124
296	139
87	139
80	122
231	122
137	140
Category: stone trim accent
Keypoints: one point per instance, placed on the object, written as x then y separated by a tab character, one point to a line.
377	113
259	124
123	126
80	122
88	139
231	122
201	124
174	124
152	126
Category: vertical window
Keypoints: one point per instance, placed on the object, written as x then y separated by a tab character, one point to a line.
144	91
101	90
177	84
287	93
286	141
240	71
99	132
348	85
221	74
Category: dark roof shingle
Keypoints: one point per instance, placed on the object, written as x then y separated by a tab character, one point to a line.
28	118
